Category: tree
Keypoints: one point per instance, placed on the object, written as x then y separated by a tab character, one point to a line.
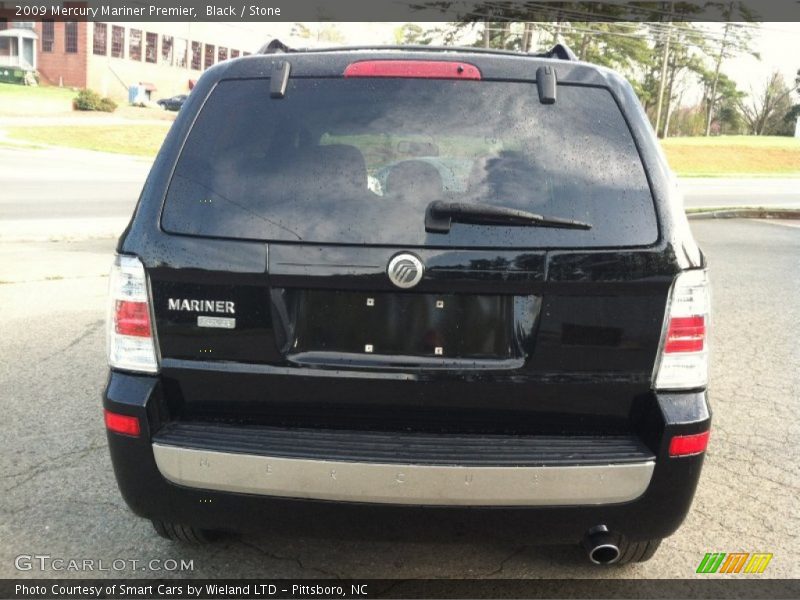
687	121
503	35
322	33
300	30
736	38
411	33
621	46
765	110
675	57
790	120
685	57
726	117
729	119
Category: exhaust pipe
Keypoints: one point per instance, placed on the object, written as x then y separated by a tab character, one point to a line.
601	546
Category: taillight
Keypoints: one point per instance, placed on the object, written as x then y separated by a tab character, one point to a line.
124	424
685	334
683	360
129	332
132	318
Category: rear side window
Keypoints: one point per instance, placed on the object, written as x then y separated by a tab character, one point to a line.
357	161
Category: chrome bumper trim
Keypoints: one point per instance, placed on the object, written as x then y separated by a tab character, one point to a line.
403	484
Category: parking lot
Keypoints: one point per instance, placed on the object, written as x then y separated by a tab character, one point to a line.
58	496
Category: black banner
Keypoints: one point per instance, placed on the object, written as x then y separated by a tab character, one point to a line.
139	589
397	10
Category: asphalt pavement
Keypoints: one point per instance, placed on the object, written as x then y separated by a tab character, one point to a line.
57	193
58	496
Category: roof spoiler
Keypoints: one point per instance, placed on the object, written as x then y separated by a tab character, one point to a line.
559	51
275	47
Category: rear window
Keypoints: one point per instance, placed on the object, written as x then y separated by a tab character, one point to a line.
357	161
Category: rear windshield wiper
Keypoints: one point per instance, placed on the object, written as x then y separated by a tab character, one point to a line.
440	216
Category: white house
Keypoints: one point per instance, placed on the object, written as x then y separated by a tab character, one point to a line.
18	48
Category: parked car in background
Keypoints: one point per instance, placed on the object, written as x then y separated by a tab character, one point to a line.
173	103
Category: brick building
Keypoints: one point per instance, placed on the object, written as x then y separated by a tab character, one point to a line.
109	57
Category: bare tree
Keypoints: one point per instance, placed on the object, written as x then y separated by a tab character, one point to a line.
527	37
762	110
736	38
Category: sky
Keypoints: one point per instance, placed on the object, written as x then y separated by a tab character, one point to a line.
779	46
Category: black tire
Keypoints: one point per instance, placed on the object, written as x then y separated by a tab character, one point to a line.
185	534
630	552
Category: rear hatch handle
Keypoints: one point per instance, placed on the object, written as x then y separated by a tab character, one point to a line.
440	215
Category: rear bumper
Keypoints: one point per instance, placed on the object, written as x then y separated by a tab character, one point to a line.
219	489
427	485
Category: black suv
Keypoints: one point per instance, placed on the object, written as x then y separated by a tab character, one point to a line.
433	280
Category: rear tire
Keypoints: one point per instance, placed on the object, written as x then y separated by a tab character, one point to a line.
185	534
630	552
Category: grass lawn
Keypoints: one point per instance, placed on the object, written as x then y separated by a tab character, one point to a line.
734	155
141	140
23	101
51	101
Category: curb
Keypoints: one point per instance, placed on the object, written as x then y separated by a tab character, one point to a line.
747	212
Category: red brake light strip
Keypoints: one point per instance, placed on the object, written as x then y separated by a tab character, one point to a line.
420	69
